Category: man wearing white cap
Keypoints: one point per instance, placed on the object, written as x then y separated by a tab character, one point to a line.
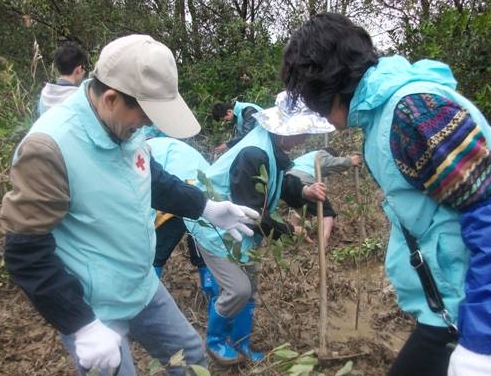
80	238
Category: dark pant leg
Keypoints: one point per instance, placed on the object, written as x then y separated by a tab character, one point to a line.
163	330
425	353
194	255
327	208
169	234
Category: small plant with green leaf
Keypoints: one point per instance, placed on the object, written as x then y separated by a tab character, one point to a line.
368	249
288	361
275	247
156	368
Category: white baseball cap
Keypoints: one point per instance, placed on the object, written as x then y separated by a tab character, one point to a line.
287	120
141	67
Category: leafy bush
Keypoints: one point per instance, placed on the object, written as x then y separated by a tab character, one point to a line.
461	39
249	72
16	116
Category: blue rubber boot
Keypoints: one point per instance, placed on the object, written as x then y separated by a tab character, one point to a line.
241	333
158	270
208	283
217	335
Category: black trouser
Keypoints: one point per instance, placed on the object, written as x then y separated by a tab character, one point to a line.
169	234
327	209
425	353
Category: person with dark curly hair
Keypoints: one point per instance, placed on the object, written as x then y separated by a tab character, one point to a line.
427	147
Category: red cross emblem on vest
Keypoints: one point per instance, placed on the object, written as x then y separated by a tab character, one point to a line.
140	163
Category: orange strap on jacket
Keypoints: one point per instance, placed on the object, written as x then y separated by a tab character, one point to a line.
163	217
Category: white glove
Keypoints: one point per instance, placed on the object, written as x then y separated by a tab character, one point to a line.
464	362
97	346
230	217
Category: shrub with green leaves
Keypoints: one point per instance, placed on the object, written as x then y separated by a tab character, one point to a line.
16	117
462	39
369	249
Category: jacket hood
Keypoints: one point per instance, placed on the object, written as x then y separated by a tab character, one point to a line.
380	82
53	94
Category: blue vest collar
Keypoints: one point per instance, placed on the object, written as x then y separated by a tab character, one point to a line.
91	122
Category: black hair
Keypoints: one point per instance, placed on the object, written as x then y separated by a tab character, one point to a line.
100	88
219	110
69	56
327	55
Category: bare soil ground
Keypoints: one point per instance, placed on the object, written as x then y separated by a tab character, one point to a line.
288	312
364	323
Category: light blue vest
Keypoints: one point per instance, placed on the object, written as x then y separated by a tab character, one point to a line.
306	163
177	157
238	108
151	131
107	238
436	227
219	175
